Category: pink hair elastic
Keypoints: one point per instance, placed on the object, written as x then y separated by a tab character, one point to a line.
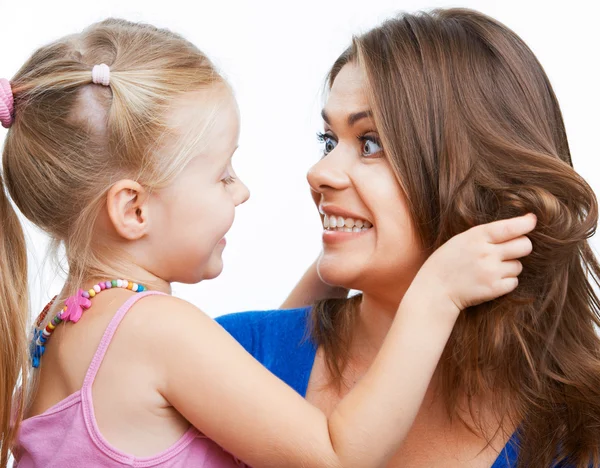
101	74
7	103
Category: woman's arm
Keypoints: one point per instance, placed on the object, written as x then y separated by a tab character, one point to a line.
310	289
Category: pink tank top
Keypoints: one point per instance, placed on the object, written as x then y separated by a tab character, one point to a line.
67	436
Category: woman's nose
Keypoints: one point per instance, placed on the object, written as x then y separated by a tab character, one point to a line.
328	174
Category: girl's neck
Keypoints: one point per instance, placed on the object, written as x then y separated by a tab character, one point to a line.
130	272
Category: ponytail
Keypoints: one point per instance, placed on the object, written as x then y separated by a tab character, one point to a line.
13	324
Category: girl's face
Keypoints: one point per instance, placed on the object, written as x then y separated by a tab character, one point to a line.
369	242
192	215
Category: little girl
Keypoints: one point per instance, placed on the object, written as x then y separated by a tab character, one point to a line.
120	147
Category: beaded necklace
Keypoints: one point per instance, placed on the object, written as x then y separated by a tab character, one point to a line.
72	311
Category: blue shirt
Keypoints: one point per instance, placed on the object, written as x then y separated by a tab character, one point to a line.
280	340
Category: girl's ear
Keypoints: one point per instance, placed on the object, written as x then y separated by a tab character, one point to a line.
127	207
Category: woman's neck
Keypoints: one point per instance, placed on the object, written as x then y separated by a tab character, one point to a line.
374	318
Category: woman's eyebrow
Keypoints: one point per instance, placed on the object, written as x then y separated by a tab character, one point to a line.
352	118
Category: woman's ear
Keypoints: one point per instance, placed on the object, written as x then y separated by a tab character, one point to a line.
127	207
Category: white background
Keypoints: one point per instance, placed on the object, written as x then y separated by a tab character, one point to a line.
276	55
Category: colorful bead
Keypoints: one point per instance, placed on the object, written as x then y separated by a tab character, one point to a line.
45	311
79	302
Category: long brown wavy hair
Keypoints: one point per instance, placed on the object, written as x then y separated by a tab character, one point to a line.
474	133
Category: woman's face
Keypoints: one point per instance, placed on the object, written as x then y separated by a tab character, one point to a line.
369	242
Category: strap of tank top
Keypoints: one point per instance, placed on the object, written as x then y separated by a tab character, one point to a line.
110	332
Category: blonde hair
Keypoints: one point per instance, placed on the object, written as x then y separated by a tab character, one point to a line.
71	140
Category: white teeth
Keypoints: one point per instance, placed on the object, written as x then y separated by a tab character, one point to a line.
338	223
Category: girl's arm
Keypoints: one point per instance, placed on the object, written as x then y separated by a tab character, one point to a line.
236	402
310	289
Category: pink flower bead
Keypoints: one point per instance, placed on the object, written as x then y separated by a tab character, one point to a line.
75	307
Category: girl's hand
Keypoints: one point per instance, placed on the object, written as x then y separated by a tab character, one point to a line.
479	264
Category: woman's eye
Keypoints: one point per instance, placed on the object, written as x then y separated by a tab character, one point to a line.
371	146
328	142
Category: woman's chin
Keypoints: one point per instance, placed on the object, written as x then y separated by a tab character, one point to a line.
339	274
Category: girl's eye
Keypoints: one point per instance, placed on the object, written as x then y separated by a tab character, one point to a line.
371	146
228	177
328	142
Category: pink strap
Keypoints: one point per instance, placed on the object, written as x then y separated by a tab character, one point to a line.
110	332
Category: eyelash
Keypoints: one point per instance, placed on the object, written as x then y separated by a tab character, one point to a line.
322	137
229	180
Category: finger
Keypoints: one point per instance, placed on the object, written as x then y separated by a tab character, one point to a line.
508	229
505	286
511	269
516	248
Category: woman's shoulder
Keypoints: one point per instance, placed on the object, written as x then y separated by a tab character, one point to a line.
279	339
268	331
